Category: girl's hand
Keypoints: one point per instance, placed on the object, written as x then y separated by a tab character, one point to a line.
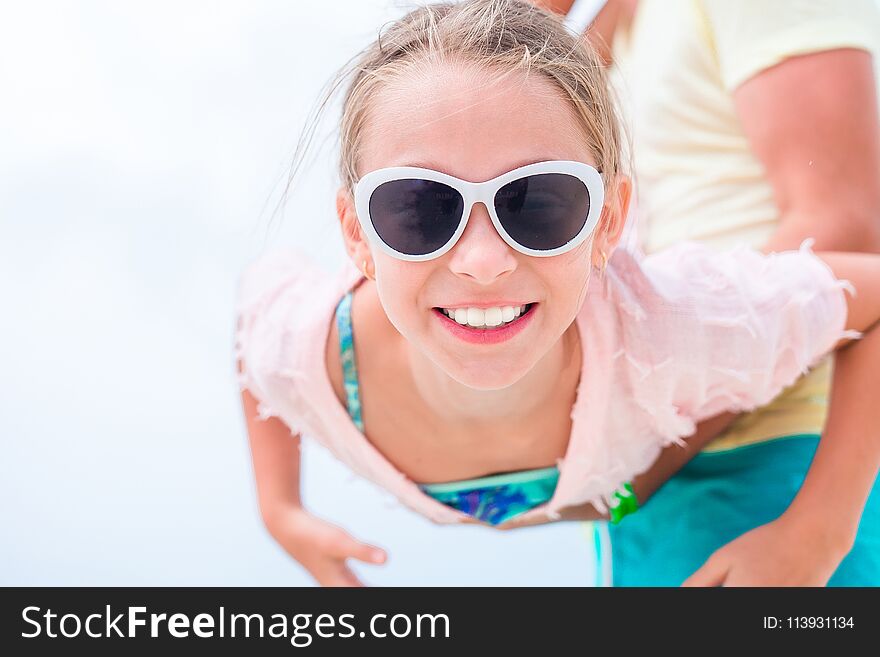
321	547
781	553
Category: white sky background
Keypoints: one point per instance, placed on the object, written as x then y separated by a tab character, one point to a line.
138	144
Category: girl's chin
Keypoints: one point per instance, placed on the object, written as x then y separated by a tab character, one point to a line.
487	372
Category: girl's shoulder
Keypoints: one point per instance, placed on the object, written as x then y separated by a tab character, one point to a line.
710	330
695	284
682	335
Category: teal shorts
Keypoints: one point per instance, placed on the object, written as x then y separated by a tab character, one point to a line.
715	498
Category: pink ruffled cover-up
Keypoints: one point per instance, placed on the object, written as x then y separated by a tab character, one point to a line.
667	340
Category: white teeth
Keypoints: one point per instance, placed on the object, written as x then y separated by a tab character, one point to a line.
493	316
476	316
485	317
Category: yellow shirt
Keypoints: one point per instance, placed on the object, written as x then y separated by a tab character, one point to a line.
696	176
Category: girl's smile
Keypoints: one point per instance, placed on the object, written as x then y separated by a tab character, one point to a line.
487	333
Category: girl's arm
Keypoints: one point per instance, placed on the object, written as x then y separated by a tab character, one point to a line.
320	547
670	461
275	456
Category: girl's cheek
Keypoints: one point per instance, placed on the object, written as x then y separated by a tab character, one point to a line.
584	286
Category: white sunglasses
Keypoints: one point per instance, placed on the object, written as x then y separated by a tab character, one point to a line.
541	209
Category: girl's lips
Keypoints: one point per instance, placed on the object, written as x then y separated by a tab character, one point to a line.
486	336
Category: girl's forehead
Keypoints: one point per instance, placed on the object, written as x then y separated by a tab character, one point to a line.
470	122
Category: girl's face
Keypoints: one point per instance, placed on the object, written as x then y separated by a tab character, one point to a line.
465	123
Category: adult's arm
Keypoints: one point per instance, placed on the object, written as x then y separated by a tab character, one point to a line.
556	6
812	122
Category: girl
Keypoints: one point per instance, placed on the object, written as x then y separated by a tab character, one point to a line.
499	361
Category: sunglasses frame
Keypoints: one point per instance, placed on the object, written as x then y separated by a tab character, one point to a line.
480	192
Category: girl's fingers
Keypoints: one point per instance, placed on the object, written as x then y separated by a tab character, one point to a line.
350	579
363	552
334	573
338	543
339	578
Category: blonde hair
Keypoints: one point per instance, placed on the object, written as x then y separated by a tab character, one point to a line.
503	36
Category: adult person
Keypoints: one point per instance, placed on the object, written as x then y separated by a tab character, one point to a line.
752	123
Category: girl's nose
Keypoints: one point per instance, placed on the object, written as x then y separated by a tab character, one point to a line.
481	253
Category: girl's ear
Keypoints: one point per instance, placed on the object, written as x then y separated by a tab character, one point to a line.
355	244
613	219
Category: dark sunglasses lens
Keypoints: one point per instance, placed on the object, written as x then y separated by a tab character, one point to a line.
544	211
415	217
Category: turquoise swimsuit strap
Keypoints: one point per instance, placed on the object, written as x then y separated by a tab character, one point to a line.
346	354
